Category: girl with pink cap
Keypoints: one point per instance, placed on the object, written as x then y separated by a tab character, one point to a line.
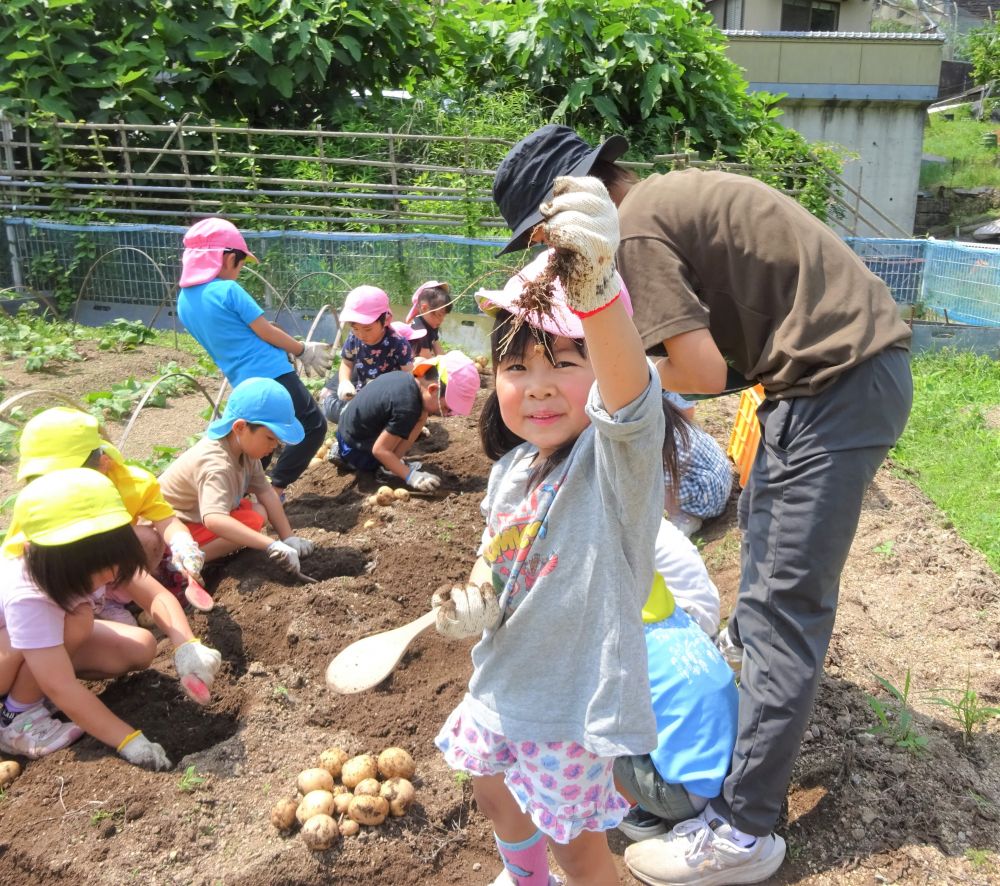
431	303
560	685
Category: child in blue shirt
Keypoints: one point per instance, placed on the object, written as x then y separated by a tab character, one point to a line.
372	349
226	321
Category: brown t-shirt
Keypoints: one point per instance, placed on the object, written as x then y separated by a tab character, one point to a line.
785	299
211	478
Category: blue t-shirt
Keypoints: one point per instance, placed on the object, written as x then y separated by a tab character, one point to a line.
218	314
694	700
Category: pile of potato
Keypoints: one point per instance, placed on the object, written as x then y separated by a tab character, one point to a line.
386	496
326	810
9	770
482	363
320	455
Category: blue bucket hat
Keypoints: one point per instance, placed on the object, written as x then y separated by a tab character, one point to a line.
261	401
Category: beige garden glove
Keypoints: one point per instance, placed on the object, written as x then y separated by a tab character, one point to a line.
582	220
466	612
345	390
140	751
314	360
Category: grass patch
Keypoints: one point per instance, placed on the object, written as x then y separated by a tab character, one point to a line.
973	164
951	449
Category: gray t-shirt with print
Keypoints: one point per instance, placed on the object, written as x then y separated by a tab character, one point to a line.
572	561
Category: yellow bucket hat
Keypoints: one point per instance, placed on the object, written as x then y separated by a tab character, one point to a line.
65	506
60	438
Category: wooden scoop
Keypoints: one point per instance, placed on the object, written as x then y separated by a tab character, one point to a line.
367	662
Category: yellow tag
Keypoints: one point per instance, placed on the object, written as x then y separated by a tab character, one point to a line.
660	602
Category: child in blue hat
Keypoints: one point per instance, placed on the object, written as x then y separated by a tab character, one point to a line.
208	486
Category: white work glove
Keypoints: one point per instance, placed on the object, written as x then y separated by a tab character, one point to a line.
303	547
185	555
466	612
315	358
422	481
284	555
582	220
195	660
140	751
345	390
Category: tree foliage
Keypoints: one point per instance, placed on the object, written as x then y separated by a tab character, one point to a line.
982	48
270	62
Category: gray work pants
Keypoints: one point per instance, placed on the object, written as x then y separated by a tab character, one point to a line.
799	512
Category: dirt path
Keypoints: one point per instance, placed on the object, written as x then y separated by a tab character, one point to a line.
860	810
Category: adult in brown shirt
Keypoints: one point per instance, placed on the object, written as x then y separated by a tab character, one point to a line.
737	284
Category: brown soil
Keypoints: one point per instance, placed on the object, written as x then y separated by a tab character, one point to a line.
860	810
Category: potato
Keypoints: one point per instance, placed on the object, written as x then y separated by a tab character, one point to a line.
339	789
317	779
383	489
369	787
9	770
393	762
321	453
400	794
368	810
333	760
371	501
320	832
401	494
342	802
349	827
369	524
314	803
384	498
283	814
357	769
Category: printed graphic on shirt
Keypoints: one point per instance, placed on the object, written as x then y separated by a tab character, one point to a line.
508	551
371	361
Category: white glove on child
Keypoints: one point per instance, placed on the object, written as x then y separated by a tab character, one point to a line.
185	555
582	219
315	358
284	555
140	751
303	547
194	659
422	481
345	390
466	612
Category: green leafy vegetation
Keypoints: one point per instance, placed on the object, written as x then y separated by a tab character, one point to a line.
43	344
971	163
967	709
190	781
894	718
951	449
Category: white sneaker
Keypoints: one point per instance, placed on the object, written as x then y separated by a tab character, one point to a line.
35	733
112	610
505	879
699	853
732	653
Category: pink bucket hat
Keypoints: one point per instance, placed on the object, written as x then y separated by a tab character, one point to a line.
562	322
204	244
365	304
407	332
430	284
459	376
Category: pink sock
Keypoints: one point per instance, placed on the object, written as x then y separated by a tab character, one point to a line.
527	862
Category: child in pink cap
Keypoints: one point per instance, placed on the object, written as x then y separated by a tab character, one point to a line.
226	321
431	303
380	425
372	349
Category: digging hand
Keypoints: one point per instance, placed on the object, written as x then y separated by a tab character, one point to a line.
345	390
582	220
315	358
185	555
196	660
303	547
140	751
466	612
285	556
422	481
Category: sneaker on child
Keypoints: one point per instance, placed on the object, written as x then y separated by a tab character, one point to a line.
641	825
703	851
112	610
36	733
505	879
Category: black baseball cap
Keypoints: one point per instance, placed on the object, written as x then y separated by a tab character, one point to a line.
525	177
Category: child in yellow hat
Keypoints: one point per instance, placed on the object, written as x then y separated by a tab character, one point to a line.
62	438
74	537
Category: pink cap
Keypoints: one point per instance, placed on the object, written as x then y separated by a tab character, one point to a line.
365	304
562	321
430	284
459	376
204	244
407	332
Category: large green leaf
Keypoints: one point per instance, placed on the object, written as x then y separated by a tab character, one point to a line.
281	79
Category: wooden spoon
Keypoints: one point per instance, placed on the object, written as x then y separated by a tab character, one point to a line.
368	661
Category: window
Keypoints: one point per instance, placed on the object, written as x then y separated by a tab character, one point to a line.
809	15
728	14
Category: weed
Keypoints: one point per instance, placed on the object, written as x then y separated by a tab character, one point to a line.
190	781
968	709
280	693
895	719
886	549
979	858
725	552
462	778
100	815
